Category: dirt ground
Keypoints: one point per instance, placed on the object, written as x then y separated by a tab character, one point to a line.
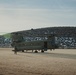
57	62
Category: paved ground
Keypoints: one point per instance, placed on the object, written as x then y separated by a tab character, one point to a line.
57	62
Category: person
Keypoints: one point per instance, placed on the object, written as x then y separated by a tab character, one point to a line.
15	51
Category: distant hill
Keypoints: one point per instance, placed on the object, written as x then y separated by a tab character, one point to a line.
65	36
8	35
59	31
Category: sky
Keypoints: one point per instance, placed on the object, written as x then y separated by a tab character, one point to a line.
17	15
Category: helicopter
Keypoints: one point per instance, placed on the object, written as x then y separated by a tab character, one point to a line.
22	42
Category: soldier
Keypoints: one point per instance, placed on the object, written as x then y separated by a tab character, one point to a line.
15	51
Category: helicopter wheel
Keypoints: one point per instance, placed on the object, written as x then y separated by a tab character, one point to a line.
36	51
42	51
22	50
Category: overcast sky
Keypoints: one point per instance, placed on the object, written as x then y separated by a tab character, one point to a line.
16	15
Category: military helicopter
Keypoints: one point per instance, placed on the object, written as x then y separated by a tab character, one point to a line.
33	42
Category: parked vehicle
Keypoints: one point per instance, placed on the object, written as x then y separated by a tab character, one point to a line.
35	43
